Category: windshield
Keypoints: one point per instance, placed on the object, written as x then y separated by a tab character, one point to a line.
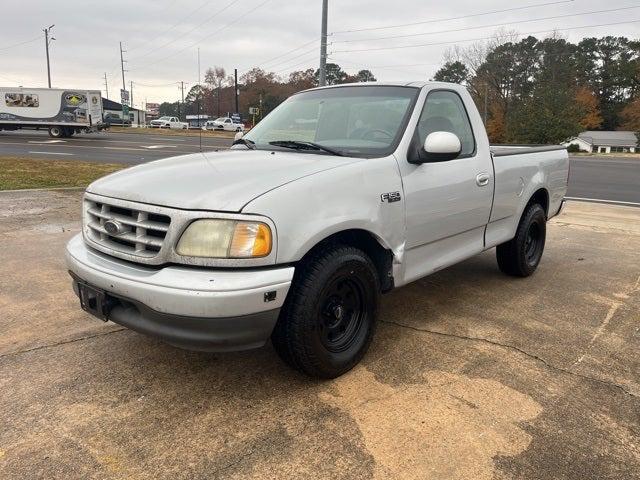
357	121
220	119
164	118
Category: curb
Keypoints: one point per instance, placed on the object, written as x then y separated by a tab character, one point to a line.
53	189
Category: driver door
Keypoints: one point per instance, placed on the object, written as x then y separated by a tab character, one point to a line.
448	203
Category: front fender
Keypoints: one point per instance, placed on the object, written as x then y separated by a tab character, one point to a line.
312	208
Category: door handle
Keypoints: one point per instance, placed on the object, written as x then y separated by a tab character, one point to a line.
482	180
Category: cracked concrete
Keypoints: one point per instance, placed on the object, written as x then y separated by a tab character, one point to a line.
471	375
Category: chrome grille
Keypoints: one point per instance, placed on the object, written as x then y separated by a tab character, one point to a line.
137	232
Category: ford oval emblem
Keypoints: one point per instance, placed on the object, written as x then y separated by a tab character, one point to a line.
112	227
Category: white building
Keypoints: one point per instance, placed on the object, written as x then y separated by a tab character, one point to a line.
606	142
111	108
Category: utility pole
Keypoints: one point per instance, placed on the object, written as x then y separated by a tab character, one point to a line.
106	85
46	45
323	44
125	108
486	103
182	104
131	93
124	85
235	76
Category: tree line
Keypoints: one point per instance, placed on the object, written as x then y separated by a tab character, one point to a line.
257	88
546	91
529	90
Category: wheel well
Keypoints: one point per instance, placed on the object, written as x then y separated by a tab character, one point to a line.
381	257
541	197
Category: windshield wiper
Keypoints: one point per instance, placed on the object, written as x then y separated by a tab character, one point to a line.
250	144
304	145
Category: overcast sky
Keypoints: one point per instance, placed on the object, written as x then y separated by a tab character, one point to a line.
162	36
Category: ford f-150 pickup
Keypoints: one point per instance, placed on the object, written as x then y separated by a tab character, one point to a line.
340	194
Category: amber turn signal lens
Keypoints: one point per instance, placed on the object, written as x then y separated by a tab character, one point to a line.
250	239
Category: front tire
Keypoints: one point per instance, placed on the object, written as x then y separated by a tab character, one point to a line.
521	256
329	317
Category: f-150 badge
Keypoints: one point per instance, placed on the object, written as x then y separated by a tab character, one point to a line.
390	197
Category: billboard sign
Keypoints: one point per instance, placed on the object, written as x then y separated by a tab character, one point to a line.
153	109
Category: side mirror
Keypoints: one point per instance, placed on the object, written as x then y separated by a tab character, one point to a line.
441	146
238	136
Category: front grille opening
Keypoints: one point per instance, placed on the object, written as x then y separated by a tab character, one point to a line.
156	217
123	211
156	233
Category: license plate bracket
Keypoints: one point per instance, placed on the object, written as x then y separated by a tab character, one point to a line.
93	301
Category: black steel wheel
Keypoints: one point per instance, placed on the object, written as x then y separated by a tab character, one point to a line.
521	256
328	319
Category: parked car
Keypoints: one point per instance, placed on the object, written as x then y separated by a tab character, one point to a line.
295	232
169	122
224	123
112	119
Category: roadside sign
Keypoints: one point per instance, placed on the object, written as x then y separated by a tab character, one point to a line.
236	118
254	110
125	110
124	96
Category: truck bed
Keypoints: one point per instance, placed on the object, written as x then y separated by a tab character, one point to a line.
505	150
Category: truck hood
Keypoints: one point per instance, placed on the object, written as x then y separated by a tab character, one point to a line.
218	181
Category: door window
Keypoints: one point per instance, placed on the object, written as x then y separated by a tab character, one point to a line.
444	111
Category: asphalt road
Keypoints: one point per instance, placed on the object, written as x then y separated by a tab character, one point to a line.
129	148
613	179
610	179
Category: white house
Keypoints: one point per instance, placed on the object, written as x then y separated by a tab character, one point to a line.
606	142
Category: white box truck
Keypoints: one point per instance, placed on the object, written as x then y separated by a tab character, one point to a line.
62	111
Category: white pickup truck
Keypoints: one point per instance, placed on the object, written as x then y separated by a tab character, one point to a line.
169	122
224	123
340	194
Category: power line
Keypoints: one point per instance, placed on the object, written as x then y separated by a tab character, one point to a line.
287	53
166	30
306	52
35	39
492	12
159	85
487	26
188	31
448	42
233	22
303	62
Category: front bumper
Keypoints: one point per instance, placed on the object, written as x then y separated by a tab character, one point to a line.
193	308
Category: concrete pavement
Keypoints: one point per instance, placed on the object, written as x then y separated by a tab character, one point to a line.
472	375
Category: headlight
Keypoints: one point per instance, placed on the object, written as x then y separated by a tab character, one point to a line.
225	239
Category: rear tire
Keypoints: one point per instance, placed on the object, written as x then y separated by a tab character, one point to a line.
521	256
56	132
329	316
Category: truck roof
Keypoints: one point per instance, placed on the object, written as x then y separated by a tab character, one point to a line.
417	84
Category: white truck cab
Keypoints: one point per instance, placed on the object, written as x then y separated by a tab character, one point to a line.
340	194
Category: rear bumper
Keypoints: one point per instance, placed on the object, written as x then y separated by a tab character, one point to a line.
193	308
